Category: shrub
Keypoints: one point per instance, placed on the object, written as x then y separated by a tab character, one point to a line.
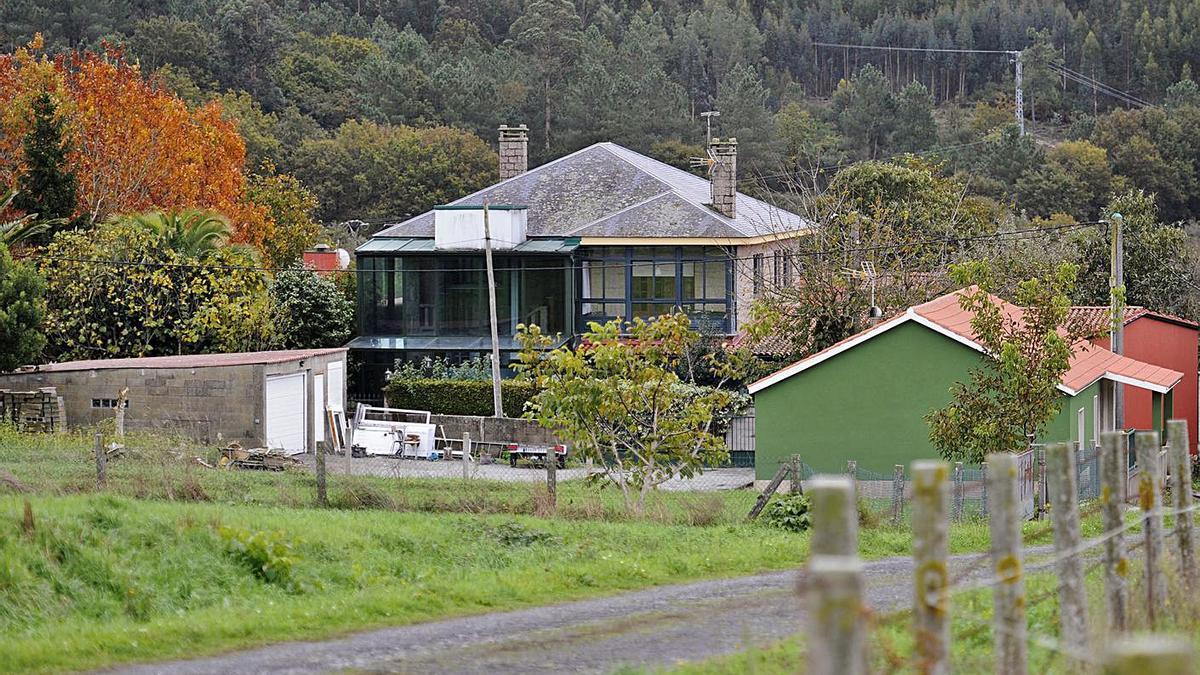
269	555
703	510
456	397
790	512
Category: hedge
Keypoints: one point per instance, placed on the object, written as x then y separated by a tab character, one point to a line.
457	397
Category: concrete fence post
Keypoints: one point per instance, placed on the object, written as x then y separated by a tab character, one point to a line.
1181	488
1149	655
897	494
1150	502
931	543
837	625
834	516
1062	482
319	459
852	472
834	582
1113	477
1002	485
466	455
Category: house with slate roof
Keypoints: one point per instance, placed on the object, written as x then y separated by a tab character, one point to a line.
601	233
866	397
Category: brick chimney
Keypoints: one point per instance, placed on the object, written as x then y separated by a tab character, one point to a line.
514	150
724	175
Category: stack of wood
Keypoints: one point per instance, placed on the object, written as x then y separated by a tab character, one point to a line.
39	411
234	456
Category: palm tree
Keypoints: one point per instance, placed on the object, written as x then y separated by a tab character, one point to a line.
194	233
20	229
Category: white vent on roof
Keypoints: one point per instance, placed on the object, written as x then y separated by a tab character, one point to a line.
461	227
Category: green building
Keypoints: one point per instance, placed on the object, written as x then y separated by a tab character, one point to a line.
865	398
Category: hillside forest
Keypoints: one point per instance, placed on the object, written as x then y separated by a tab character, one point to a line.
297	122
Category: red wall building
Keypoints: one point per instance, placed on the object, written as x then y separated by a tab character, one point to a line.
1158	339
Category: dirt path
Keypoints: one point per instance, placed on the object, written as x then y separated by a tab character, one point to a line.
653	627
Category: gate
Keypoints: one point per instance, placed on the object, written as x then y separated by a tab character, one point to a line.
739	438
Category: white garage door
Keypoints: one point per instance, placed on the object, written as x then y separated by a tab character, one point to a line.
337	384
285	419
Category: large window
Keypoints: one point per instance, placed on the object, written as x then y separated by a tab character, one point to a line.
647	281
447	296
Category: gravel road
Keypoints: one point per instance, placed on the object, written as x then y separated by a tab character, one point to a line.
653	627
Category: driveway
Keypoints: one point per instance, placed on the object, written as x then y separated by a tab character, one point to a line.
392	467
653	627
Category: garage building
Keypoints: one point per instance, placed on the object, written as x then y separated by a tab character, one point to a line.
274	399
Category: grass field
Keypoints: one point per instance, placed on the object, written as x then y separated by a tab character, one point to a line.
162	562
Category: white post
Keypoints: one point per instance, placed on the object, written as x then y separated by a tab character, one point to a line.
931	548
1064	515
466	455
837	623
834	516
1008	596
497	401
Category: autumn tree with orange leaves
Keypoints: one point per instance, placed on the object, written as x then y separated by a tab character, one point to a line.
135	146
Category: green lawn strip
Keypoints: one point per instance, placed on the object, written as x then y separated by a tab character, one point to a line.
105	579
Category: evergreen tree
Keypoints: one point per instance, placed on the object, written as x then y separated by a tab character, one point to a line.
915	128
47	187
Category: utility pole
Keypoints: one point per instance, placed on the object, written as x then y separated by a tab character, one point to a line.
1116	294
1020	93
497	401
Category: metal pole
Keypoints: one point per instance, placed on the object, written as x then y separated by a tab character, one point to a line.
491	278
1020	94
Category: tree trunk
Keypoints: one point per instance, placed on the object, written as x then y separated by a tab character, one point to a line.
546	129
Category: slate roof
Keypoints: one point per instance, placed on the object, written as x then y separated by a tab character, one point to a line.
605	190
1089	362
185	361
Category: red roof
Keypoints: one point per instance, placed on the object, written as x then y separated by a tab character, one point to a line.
187	361
944	314
1093	321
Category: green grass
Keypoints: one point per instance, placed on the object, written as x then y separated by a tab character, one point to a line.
140	571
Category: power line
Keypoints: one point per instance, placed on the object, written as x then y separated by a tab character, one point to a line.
1032	231
943	50
843	165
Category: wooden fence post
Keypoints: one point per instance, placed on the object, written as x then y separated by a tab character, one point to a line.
931	544
837	626
320	469
1149	655
1181	488
897	494
466	455
796	487
552	478
101	461
834	516
984	497
1150	501
1062	482
1113	476
1039	496
1008	596
834	585
958	490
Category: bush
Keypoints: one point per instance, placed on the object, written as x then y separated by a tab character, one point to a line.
269	555
456	397
789	513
